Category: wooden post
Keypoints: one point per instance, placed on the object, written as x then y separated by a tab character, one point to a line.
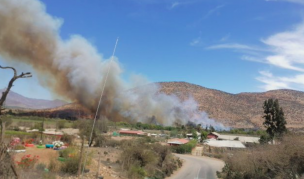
98	168
80	158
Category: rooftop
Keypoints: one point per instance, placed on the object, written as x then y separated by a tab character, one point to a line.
225	143
178	141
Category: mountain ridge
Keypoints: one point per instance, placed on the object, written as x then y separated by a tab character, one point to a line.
241	109
15	100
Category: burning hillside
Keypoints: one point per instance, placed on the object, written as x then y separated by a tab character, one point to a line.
74	70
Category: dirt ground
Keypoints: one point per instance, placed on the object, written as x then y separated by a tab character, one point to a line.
109	167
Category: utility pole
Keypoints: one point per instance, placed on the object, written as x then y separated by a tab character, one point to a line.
99	158
80	158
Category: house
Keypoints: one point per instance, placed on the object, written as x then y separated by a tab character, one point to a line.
131	133
175	142
213	135
243	139
190	135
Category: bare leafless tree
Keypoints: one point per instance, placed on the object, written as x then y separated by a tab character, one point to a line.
5	93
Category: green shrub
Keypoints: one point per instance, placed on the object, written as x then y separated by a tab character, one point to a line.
185	148
100	141
40	166
49	175
19	147
141	159
54	165
68	152
112	143
136	172
61	124
71	165
67	139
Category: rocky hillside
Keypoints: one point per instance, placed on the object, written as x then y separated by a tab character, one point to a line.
239	110
15	100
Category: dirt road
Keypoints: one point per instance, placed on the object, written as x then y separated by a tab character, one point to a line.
195	167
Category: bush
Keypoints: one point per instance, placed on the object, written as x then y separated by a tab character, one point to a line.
100	141
68	152
112	143
61	124
19	147
27	162
141	159
71	165
54	165
40	166
67	139
282	160
136	172
38	125
185	148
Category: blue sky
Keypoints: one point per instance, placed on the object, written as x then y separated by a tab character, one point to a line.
233	46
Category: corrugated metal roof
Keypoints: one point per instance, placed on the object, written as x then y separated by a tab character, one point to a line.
243	139
225	143
215	133
178	141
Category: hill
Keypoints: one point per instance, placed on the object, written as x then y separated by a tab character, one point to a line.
243	110
239	110
15	100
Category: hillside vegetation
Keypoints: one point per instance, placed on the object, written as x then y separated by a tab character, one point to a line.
241	110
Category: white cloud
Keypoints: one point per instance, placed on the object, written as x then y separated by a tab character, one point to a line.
292	1
195	42
235	46
271	82
214	10
284	51
287	53
175	4
225	38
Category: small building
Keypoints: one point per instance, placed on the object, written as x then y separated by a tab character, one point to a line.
175	142
132	133
213	135
190	135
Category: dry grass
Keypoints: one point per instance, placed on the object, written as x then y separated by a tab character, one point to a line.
281	161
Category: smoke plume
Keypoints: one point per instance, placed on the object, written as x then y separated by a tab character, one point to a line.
75	70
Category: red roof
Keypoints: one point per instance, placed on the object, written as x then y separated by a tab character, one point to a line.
131	132
178	141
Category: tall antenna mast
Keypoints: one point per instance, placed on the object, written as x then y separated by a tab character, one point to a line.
98	106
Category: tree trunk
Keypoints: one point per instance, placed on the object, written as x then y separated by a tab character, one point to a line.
2	130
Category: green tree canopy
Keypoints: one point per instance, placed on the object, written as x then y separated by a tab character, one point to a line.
274	118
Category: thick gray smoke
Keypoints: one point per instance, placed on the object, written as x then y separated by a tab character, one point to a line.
75	70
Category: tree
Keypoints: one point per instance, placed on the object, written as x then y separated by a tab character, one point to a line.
203	135
264	139
211	128
199	127
274	119
4	122
194	134
85	128
61	124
